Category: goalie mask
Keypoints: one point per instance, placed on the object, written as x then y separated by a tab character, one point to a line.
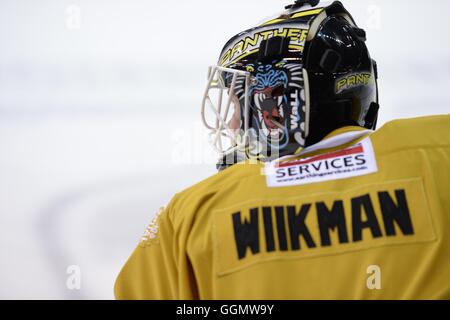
288	82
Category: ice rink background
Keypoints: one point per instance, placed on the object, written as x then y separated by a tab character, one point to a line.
99	118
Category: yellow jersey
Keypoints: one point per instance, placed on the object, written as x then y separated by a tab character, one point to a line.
360	215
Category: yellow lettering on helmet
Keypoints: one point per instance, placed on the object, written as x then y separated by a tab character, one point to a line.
294	34
280	33
303	35
355	80
266	34
351	81
225	57
360	79
340	85
237	49
249	41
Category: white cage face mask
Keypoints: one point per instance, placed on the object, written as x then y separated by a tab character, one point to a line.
222	112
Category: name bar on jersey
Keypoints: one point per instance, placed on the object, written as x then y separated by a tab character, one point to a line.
285	226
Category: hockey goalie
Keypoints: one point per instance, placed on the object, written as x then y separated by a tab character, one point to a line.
310	201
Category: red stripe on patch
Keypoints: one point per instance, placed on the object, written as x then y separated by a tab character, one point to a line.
340	153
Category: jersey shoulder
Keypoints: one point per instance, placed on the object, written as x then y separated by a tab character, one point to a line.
423	132
186	201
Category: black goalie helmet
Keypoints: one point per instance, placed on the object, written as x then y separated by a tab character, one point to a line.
287	83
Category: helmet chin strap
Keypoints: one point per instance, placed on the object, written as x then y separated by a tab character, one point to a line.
372	116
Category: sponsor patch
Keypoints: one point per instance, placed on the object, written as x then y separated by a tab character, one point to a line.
357	160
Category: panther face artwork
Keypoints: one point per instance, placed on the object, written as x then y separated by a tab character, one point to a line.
268	96
277	99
